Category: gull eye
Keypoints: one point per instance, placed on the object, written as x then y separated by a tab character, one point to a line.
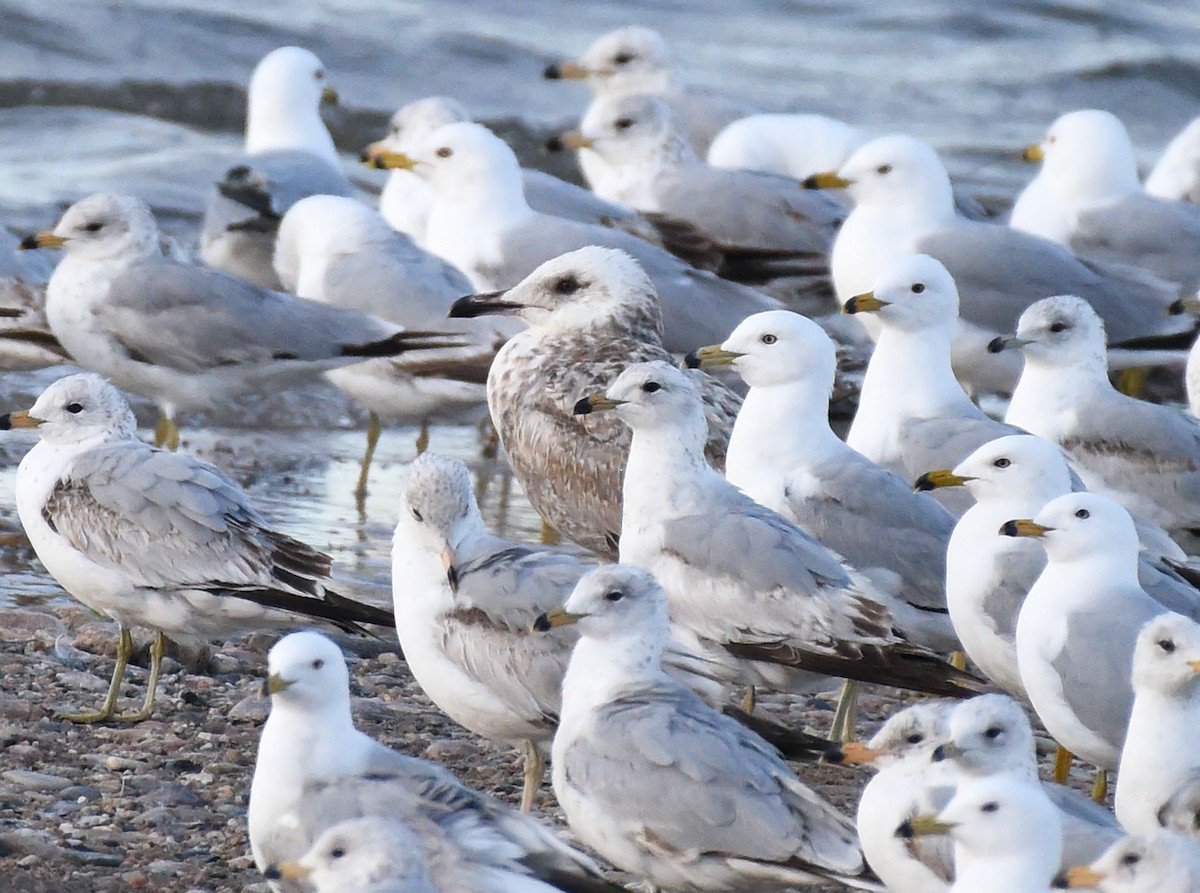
993	732
417	515
444	152
918	287
74	408
318	663
1002	462
651	386
990	806
623	58
319	74
567	285
1058	327
768	339
94	227
1167	645
915	738
615	596
336	853
623	123
1131	859
883	169
1051	138
1083	514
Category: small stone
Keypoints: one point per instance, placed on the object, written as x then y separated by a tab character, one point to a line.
81	792
165	866
389	657
122	764
18	625
448	748
251	709
31	859
78	680
36	781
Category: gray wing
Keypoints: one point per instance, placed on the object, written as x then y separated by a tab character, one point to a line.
1013	577
1001	271
1088	828
1096	662
660	759
1182	812
1146	232
191	318
1168	584
872	518
548	194
944	441
704	115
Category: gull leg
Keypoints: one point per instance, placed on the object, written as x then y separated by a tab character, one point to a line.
373	428
958	660
489	439
1062	764
535	771
843	718
156	656
124	649
1100	788
1131	381
423	437
550	536
750	699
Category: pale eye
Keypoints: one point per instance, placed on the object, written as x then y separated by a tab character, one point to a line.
1002	462
1083	514
768	339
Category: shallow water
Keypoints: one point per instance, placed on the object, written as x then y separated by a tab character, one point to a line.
146	97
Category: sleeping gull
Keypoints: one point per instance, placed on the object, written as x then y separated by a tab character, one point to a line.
792	145
152	538
289	155
634	60
338	251
1159	755
1176	176
1159	863
913	415
314	769
1142	454
1088	198
591	313
481	222
903	203
783	454
662	785
745	585
187	336
1007	837
1078	624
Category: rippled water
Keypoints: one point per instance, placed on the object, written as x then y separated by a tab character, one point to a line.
146	97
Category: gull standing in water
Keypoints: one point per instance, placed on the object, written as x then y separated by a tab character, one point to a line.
158	539
187	336
289	155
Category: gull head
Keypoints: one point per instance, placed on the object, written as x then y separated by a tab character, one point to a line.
913	731
1061	331
463	160
1082	526
653	396
318	228
438	510
1087	157
772	348
636	128
1016	467
1181	813
1136	864
307	671
613	601
1007	819
914	293
632	59
290	80
102	227
77	408
1166	658
895	171
361	853
412	124
987	735
573	291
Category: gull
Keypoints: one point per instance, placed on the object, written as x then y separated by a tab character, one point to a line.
26	341
907	783
288	154
783	454
1158	756
337	251
591	313
913	415
649	166
465	601
1176	176
987	576
745	585
662	785
157	539
1006	835
186	336
481	222
1160	863
989	736
1078	624
1141	454
792	145
904	203
1088	198
635	59
315	769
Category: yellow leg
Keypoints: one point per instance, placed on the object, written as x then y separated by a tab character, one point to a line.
1062	764
490	439
373	429
166	433
1131	382
550	536
423	438
958	660
156	656
109	707
535	771
1100	788
842	729
750	699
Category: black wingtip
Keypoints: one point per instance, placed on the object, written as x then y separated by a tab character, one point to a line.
402	342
